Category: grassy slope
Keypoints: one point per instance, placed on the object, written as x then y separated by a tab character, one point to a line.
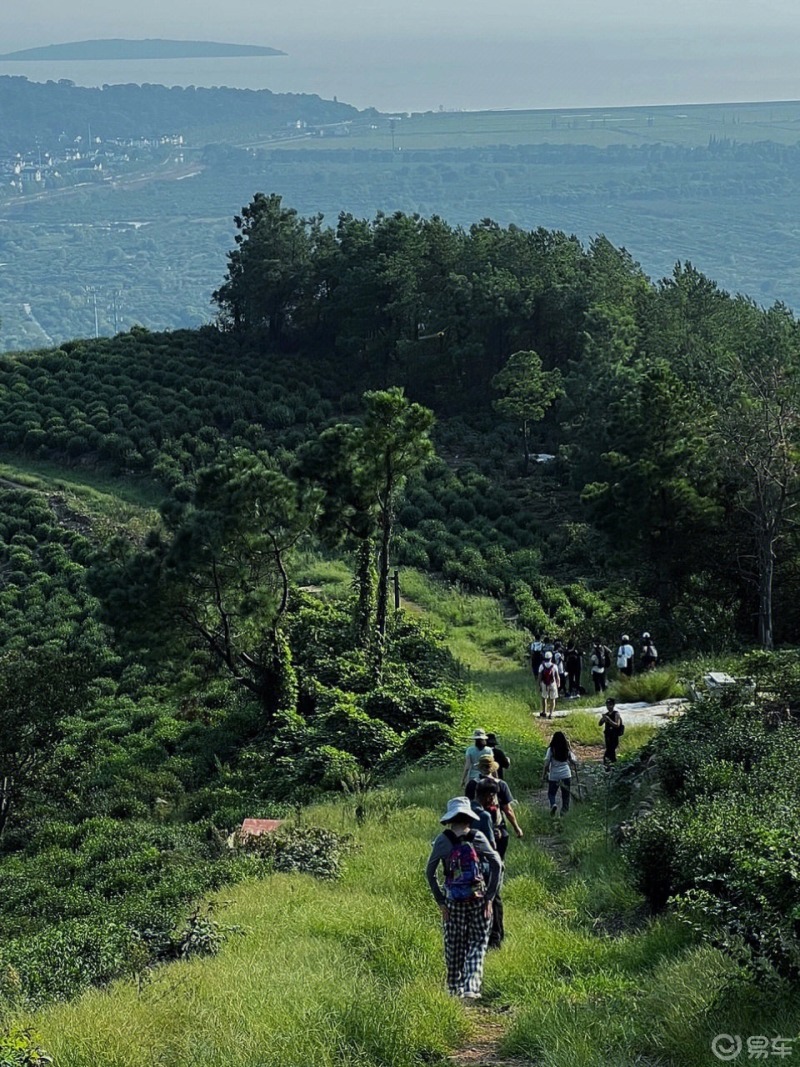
351	973
109	504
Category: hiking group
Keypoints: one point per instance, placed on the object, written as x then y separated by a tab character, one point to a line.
472	846
558	670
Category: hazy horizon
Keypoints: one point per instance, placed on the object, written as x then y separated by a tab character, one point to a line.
451	53
409	74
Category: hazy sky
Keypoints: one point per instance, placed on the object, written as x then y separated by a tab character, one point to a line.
424	54
283	22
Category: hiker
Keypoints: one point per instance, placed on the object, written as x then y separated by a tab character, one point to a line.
558	659
557	772
478	748
548	686
613	729
466	897
487	808
488	769
500	758
625	656
649	653
599	667
485	791
536	653
573	661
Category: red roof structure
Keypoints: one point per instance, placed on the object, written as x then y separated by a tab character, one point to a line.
257	827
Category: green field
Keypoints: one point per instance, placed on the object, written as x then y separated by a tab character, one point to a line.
689	125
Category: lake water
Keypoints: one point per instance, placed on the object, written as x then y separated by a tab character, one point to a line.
403	74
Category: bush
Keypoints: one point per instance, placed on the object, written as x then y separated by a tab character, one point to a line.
721	843
20	1047
301	850
650	686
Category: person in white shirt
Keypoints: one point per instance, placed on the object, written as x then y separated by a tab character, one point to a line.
625	656
548	686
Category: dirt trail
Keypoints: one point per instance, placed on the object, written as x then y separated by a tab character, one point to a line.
482	1051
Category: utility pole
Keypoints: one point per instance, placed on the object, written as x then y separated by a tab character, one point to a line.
91	293
115	295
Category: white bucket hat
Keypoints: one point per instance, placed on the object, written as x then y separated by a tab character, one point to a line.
459	807
480	735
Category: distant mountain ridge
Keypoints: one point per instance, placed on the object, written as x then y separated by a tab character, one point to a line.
122	48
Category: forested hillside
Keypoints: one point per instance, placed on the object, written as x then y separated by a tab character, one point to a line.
131	235
38	113
378	396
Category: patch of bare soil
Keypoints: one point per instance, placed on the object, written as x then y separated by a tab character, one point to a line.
483	1049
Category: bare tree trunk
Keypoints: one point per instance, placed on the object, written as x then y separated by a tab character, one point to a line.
5	803
766	572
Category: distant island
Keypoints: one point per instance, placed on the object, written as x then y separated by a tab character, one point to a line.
119	48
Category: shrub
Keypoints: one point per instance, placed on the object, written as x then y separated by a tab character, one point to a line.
299	849
650	686
721	843
20	1047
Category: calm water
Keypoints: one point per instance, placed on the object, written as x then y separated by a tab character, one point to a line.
407	75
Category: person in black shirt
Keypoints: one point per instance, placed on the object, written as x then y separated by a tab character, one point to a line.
574	664
505	800
613	729
500	758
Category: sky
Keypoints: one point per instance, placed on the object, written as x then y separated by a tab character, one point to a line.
280	22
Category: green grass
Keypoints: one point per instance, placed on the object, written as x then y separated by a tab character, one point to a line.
330	576
107	503
650	686
41	473
350	974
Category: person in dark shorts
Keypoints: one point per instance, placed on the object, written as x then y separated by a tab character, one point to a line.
613	729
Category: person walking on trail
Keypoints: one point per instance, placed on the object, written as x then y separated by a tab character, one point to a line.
625	656
649	653
613	729
536	653
558	659
558	762
465	898
500	758
488	769
487	808
599	668
548	686
573	661
478	748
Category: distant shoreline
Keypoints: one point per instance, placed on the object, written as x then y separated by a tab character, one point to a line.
122	49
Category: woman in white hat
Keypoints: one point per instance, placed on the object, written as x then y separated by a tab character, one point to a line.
478	748
472	873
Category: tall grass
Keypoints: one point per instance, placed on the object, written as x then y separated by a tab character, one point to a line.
650	686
